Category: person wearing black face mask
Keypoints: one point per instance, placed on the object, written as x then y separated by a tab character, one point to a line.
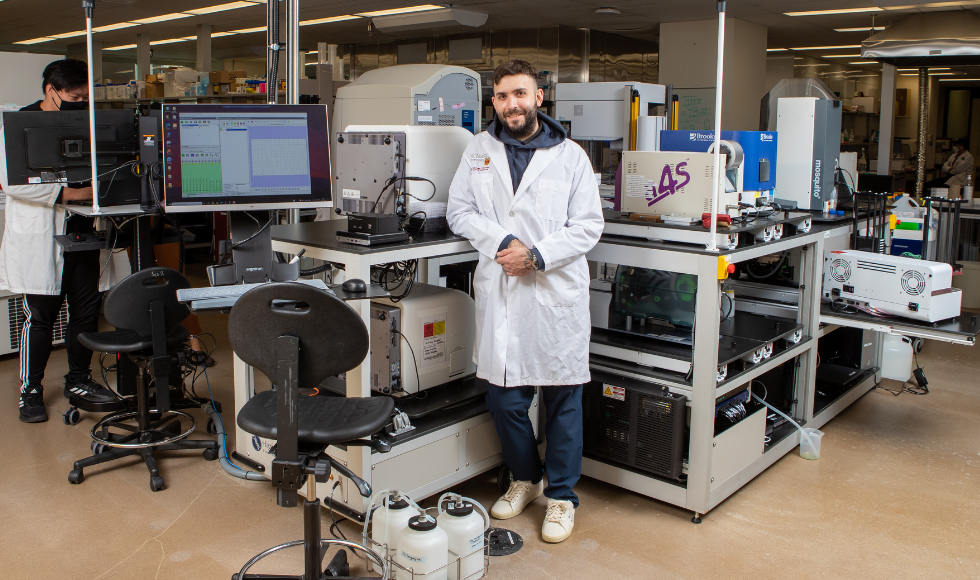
33	264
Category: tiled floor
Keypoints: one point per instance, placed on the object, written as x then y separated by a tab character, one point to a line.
895	495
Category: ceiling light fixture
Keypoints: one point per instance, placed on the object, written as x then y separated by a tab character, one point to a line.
220	8
826	47
776	49
840	11
123	47
68	34
607	11
859	29
172	40
915	69
162	18
393	11
35	40
862	62
248	30
840	56
330	19
959	80
116	26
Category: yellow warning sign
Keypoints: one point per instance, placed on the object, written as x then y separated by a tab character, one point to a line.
439	327
618	393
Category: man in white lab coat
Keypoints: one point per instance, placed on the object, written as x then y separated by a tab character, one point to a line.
33	264
527	199
959	165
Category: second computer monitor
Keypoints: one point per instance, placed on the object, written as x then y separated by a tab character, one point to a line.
246	157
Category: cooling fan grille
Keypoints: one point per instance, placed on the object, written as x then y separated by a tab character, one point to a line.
840	270
913	282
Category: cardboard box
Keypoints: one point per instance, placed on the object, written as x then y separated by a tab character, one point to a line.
153	90
225	76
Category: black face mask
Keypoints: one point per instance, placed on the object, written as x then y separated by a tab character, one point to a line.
72	105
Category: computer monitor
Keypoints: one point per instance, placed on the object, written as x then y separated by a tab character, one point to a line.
245	157
54	147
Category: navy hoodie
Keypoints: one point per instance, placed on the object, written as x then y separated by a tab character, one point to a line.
519	153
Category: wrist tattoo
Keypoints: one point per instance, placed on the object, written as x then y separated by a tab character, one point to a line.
530	260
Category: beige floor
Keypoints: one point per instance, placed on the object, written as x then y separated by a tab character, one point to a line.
895	494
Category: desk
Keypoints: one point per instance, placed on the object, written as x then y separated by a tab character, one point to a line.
440	455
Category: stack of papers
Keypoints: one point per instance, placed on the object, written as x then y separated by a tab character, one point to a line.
223	297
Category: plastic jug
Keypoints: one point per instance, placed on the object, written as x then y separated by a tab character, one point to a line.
464	528
896	358
389	520
810	443
423	548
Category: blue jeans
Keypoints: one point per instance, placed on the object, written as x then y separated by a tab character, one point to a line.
563	429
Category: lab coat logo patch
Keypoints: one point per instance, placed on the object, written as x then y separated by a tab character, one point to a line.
486	161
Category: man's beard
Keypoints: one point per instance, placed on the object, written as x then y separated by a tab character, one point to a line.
525	129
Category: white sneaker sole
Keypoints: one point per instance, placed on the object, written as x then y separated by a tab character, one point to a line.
556	539
499	516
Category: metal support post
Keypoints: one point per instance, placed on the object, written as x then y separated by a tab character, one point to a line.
920	165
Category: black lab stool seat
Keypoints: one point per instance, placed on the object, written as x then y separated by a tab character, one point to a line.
298	336
146	314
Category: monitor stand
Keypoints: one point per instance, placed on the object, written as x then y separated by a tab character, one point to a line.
252	261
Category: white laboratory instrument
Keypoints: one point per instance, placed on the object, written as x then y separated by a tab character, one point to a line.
367	156
891	285
411	94
430	331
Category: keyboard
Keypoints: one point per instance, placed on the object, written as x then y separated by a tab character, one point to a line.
234	291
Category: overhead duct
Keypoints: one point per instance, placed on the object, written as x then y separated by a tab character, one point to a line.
428	19
927	39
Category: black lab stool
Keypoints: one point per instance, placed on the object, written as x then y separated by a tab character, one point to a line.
298	336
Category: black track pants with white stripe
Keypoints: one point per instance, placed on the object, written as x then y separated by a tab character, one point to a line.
80	287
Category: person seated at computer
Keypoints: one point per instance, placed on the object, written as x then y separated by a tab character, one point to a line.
32	263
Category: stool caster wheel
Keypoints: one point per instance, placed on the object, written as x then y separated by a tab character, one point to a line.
917	345
156	483
503	479
76	476
210	427
99	448
210	454
72	416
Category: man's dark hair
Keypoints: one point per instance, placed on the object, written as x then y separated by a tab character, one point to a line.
962	142
65	75
514	67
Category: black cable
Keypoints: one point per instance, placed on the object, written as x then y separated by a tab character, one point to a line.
731	306
257	232
315	271
838	305
388	183
333	520
415	361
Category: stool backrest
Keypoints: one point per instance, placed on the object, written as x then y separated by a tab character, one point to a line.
127	306
332	336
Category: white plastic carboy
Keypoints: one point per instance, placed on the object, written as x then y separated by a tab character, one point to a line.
422	547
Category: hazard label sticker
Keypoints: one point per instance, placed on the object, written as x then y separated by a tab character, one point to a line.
618	393
433	341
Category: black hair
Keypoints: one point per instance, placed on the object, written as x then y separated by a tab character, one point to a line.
514	67
65	75
962	142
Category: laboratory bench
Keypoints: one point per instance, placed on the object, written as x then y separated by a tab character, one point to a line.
455	439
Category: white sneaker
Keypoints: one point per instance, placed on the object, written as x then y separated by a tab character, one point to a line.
517	497
558	521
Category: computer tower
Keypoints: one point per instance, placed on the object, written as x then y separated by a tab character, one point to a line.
637	426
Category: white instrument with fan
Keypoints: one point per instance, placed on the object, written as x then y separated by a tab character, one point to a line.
891	285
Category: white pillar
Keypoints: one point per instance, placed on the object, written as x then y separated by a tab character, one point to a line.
142	56
886	126
203	48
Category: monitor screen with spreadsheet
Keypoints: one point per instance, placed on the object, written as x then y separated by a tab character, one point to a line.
241	157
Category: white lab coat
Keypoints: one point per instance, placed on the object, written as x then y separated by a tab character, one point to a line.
534	329
30	260
959	166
